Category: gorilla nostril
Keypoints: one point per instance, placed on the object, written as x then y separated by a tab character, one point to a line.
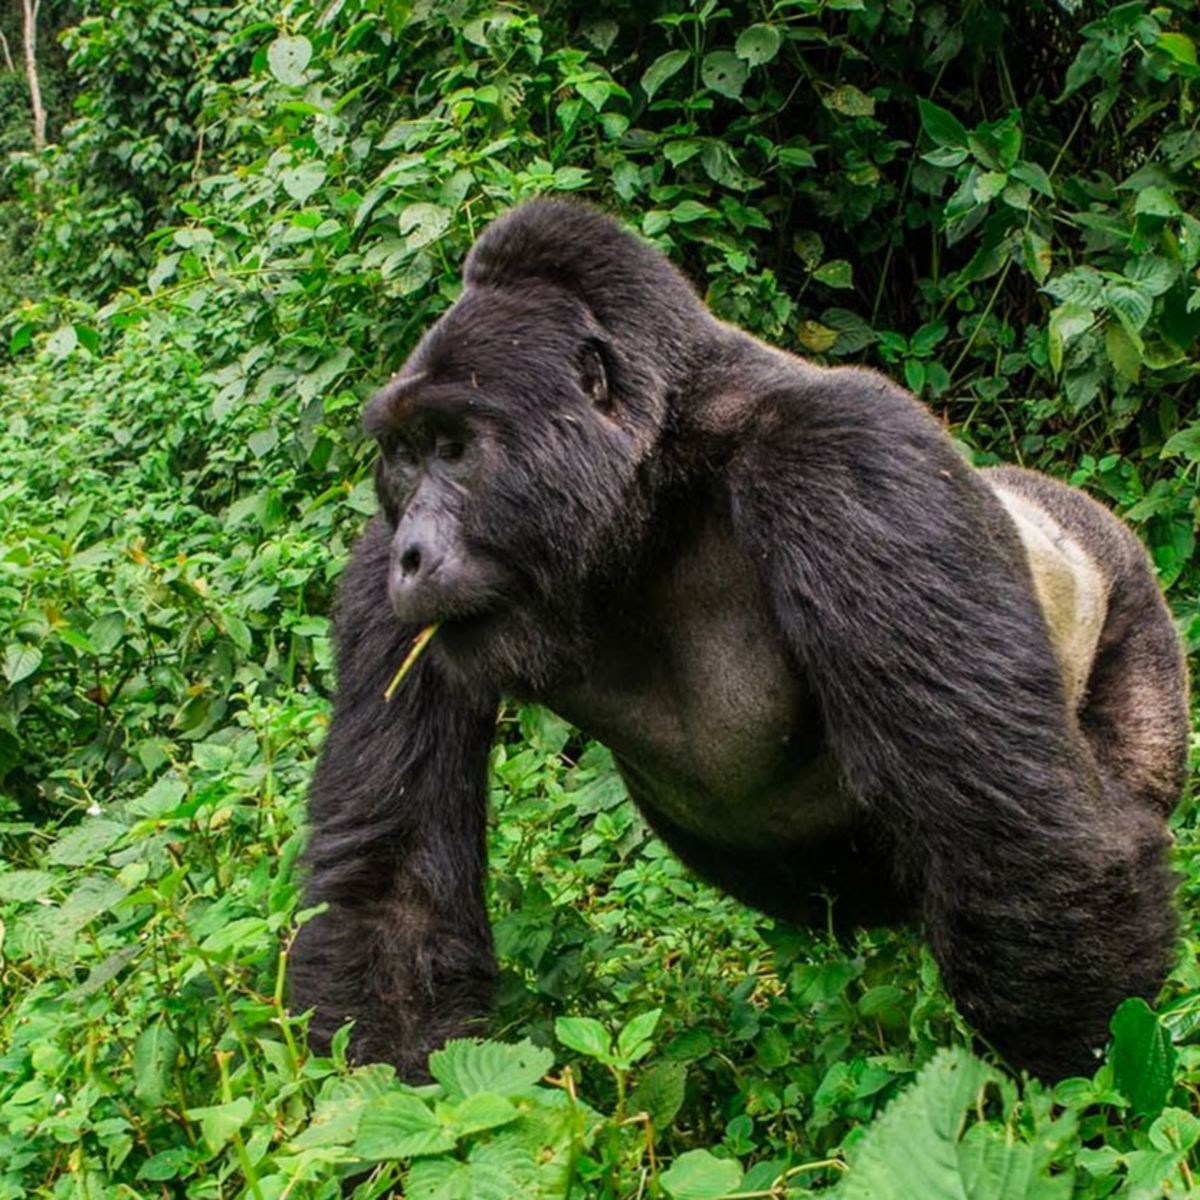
410	561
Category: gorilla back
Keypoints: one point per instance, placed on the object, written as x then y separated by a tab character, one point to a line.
830	658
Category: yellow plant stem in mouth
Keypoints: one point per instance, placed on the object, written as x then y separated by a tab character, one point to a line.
419	643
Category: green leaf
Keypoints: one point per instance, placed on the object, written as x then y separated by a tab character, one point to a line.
1035	251
287	57
634	1040
423	223
1124	354
836	273
661	69
219	1122
1156	202
850	102
1185	442
301	181
1142	1057
1179	46
993	1167
397	1125
86	842
25	885
699	1175
1130	304
20	661
724	73
483	1110
1067	322
758	44
584	1034
912	1149
1034	175
466	1066
154	1055
989	185
943	127
691	210
1152	273
660	1093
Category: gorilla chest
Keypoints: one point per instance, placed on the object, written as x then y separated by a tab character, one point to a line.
712	727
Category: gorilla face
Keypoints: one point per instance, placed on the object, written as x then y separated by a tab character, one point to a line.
508	471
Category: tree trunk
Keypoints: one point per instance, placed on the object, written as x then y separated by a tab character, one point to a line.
31	73
8	62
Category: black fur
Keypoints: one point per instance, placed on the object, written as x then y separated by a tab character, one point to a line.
807	630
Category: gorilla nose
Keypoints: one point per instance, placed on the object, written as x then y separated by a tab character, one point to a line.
410	561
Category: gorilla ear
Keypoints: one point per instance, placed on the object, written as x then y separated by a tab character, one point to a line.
593	375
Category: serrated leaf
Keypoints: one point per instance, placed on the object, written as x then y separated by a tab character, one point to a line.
699	1175
400	1126
86	842
25	885
1142	1057
1082	286
912	1149
287	57
661	69
992	1167
483	1110
943	127
724	73
758	44
584	1034
466	1066
301	181
660	1093
154	1055
20	661
1152	273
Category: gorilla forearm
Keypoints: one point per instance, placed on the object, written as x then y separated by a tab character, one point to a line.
397	809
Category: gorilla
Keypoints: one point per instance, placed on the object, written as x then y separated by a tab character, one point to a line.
829	657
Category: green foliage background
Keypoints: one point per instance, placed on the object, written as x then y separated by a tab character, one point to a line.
246	216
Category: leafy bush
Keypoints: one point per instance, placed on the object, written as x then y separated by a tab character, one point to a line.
250	218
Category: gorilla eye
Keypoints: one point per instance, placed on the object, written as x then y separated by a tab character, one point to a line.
450	449
593	377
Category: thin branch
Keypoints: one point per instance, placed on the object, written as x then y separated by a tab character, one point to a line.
30	8
8	58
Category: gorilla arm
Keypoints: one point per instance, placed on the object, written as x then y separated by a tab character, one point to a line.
398	808
902	590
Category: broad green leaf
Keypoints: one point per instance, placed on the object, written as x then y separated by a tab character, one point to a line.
20	661
1130	304
301	181
25	885
661	69
1142	1057
691	210
1153	274
724	73
660	1093
466	1066
943	127
1067	322
1185	442
219	1122
1082	286
423	223
1035	251
480	1111
758	44
1179	46
154	1055
1124	354
699	1175
288	57
1156	202
912	1149
86	842
850	102
836	273
397	1125
1033	175
584	1034
993	1167
62	341
989	185
634	1040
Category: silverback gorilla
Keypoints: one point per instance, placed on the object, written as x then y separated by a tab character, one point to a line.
829	657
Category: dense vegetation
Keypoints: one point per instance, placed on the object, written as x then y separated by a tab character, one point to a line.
245	217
